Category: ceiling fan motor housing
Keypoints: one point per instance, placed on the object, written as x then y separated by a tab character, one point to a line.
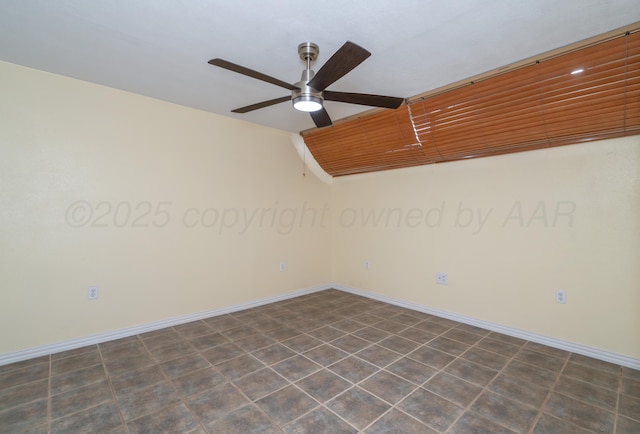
304	90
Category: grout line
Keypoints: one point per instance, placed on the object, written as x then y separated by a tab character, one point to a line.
616	414
49	395
549	393
111	389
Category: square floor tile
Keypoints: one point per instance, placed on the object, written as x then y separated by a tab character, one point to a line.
358	407
390	326
176	419
326	333
629	406
74	363
595	363
193	329
551	425
523	391
75	379
353	369
379	356
461	336
246	420
473	423
239	367
504	411
631	387
302	343
260	383
350	344
627	426
448	346
254	342
398	422
326	354
540	359
431	327
319	421
592	375
431	409
323	385
137	380
387	386
25	417
431	357
25	375
454	389
372	334
149	400
296	367
530	373
273	354
347	325
417	335
207	341
216	402
102	418
471	372
172	350
91	395
286	404
485	358
498	347
198	381
579	413
590	393
184	365
411	370
399	344
24	393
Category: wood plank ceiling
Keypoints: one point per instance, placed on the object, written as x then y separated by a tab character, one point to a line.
586	94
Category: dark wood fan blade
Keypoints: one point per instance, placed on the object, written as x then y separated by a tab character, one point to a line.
364	99
250	73
260	105
321	118
344	60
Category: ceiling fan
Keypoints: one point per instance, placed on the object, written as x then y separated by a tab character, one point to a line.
309	93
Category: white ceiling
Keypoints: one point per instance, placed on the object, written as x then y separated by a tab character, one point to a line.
160	48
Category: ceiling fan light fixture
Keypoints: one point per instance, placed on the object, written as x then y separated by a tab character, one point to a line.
307	103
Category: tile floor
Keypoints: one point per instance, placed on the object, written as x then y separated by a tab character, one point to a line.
328	362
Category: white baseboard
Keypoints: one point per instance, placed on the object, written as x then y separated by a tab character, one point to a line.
596	353
72	344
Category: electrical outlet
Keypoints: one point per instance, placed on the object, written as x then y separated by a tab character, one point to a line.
442	278
92	293
281	266
367	265
561	297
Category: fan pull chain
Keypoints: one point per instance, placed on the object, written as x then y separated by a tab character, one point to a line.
304	160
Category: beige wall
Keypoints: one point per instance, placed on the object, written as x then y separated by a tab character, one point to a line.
69	148
509	231
76	158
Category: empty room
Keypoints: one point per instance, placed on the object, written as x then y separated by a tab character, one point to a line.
331	217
